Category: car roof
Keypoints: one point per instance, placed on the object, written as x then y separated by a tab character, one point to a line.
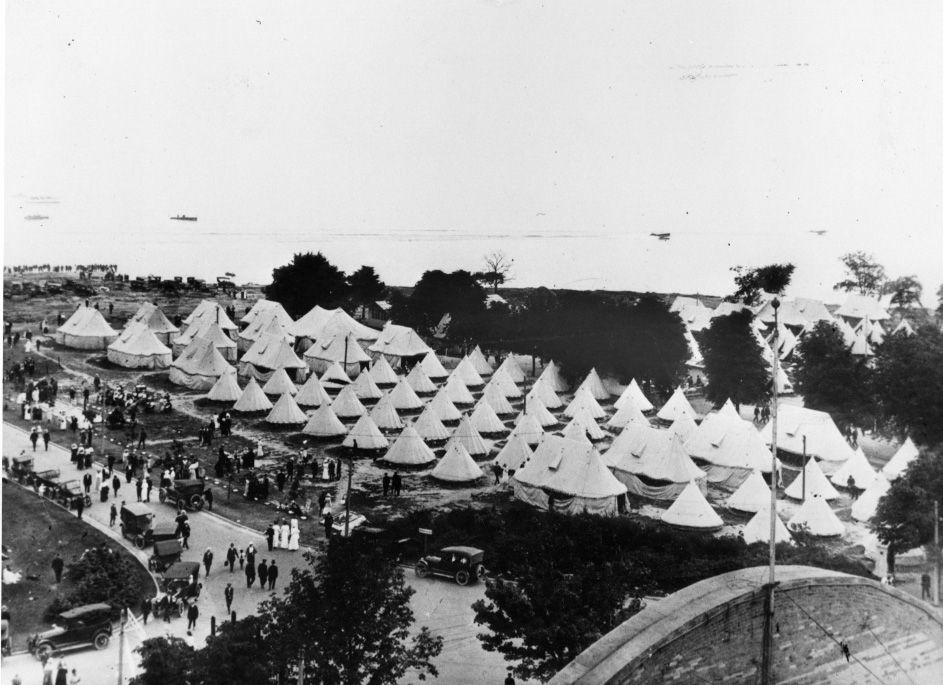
180	482
86	609
136	508
162	547
182	569
461	549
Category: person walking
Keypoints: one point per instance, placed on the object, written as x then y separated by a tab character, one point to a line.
228	593
272	575
113	516
79	506
149	484
145	609
208	559
250	554
185	533
925	586
46	437
231	555
386	484
139	487
192	615
115	484
242	559
57	566
62	674
250	576
142	439
87	482
208	496
270	536
263	574
328	524
33	437
397	484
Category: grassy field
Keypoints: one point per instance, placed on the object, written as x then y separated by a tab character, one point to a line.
33	531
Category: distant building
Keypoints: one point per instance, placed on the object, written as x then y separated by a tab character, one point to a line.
375	314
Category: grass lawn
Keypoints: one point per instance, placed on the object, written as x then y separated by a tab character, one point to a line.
33	530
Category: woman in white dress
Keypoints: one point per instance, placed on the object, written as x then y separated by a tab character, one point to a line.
293	536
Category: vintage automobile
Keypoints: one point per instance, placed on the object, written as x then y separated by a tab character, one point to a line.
137	524
185	491
181	578
21	467
90	625
70	492
48	477
462	564
166	554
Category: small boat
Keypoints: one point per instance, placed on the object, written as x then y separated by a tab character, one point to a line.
183	217
36	217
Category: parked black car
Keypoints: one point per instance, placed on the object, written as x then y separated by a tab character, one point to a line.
90	625
462	564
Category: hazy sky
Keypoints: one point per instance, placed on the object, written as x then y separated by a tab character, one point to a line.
412	135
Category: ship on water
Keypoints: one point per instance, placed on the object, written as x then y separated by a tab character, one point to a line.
36	217
183	217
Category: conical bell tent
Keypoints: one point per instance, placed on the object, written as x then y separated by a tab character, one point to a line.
816	517
384	415
430	428
312	393
366	435
252	399
279	383
634	393
752	495
226	389
480	362
404	398
324	424
286	412
691	510
420	382
409	451
347	406
457	466
470	439
433	367
383	374
366	388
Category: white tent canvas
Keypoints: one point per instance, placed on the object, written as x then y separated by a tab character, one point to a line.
346	405
279	383
409	450
575	430
553	378
444	408
366	388
470	438
137	347
334	376
691	510
485	420
86	329
429	427
585	483
433	367
534	407
343	350
752	495
816	484
583	400
210	310
857	467
757	529
676	406
312	393
684	427
730	443
628	412
593	383
863	508
286	412
209	330
583	418
226	389
465	372
384	415
156	321
511	369
457	466
396	342
252	399
823	439
366	435
458	392
480	362
493	396
199	366
897	464
634	393
527	428
515	453
383	373
503	382
420	382
543	391
817	517
324	423
404	398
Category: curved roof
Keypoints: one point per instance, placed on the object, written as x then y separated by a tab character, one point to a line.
399	341
339	348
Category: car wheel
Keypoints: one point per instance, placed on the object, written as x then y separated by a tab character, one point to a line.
422	570
462	577
140	542
44	651
196	502
101	641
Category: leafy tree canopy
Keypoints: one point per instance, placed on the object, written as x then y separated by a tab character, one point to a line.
497	270
773	279
830	378
908	375
101	574
904	517
364	286
864	275
905	291
240	652
164	660
733	361
309	280
437	293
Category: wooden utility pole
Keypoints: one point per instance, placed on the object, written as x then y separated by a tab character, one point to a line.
769	623
936	545
350	477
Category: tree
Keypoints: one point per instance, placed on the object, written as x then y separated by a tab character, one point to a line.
103	574
773	279
438	293
497	270
164	660
905	291
865	275
733	361
349	617
309	280
908	373
830	378
904	517
365	287
240	652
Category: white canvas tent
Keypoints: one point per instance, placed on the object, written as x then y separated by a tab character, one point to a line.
384	415
857	467
593	383
136	347
575	430
409	450
366	388
552	376
583	401
733	447
457	466
691	510
382	373
526	427
226	389
430	428
267	354
583	419
634	393
816	484
676	406
335	376
534	407
319	321
863	508
470	438
433	367
210	310
366	435
484	419
817	517
404	398
269	308
628	412
339	349
86	329
208	330
286	412
511	369
480	362
265	324
493	396
581	483
502	382
397	342
651	463
324	423
545	393
156	321
312	393
465	372
279	383
897	464
752	495
346	405
757	529
684	427
823	439
199	366
420	382
444	408
252	399
515	453
458	392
